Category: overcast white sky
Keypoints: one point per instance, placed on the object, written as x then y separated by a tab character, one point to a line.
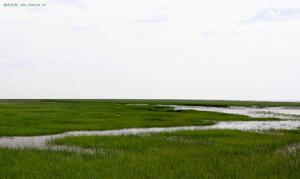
208	49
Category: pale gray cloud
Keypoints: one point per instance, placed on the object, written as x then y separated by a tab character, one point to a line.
210	33
15	64
268	15
157	18
80	29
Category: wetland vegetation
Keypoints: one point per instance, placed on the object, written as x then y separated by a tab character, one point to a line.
180	154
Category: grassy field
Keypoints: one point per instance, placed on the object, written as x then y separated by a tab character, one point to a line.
193	154
186	154
36	117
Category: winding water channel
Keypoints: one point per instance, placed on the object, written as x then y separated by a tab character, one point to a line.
289	120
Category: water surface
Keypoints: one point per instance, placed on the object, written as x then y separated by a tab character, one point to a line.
284	113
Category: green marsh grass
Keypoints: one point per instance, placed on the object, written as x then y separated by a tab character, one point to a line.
40	117
186	154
